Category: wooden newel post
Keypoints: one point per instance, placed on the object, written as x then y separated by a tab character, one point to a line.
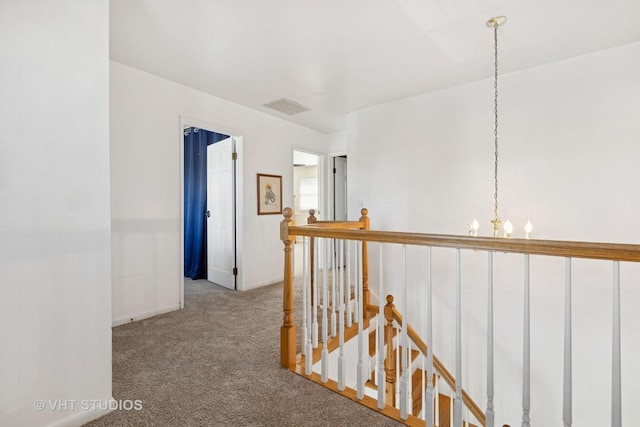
366	297
390	360
312	217
312	220
288	329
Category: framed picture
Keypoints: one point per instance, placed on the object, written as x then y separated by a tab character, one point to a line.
269	194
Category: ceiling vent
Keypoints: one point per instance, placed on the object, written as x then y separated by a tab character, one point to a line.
286	106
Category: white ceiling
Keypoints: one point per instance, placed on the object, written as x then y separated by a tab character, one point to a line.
337	56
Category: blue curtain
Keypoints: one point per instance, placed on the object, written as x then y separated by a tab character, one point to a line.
195	200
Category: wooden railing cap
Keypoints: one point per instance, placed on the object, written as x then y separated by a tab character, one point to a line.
287	213
558	248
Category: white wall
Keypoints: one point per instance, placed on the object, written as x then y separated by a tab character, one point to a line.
55	270
145	179
569	154
337	143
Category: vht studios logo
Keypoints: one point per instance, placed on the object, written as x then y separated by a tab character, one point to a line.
88	405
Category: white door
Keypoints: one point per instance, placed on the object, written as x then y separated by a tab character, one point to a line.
340	188
220	213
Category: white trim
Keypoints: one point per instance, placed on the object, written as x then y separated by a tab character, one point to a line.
81	418
262	284
329	171
145	315
188	121
239	145
181	224
337	153
239	211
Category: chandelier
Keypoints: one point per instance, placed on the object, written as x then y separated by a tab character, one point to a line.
494	23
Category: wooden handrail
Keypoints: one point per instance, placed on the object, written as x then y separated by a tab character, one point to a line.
590	250
288	231
344	225
361	224
439	367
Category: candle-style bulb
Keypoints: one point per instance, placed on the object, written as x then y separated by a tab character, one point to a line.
508	228
474	227
527	229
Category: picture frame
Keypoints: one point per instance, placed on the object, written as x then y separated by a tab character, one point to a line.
269	194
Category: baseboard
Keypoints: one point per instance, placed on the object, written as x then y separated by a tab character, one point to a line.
145	315
261	285
80	418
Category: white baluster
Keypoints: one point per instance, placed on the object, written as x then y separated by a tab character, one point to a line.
349	306
409	379
436	401
305	277
452	403
341	362
356	288
526	350
333	289
314	324
424	385
398	365
490	414
381	374
616	365
567	395
361	373
457	413
428	414
308	344
405	357
366	370
324	356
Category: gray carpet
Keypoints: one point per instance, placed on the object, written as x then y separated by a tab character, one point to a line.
216	363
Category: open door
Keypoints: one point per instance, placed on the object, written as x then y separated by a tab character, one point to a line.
340	188
221	213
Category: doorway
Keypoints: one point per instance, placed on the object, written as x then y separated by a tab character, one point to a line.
305	185
306	195
220	212
339	188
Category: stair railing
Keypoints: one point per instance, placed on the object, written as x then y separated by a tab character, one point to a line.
316	343
563	249
394	318
310	326
362	224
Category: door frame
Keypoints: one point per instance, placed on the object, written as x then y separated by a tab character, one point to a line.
329	172
186	121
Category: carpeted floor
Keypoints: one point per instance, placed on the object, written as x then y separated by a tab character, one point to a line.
216	363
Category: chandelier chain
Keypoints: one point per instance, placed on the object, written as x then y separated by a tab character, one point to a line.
495	111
